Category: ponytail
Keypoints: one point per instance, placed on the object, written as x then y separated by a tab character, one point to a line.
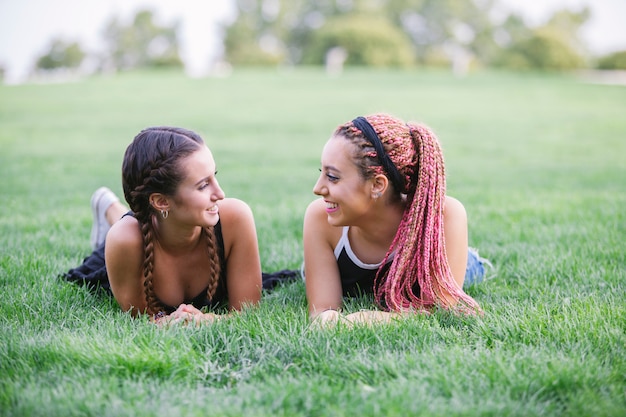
418	248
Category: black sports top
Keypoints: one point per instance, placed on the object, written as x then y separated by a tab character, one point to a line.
357	277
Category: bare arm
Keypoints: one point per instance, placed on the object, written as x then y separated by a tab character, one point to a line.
241	246
323	285
455	234
123	258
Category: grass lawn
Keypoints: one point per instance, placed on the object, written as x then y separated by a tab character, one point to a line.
538	160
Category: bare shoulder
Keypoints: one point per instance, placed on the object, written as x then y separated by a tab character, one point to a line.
125	235
316	222
233	210
238	226
316	212
454	209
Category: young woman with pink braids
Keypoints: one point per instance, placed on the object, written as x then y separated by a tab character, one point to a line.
384	225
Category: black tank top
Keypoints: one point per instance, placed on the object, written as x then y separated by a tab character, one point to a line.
357	277
220	298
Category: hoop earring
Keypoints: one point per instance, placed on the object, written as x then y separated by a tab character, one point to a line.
165	213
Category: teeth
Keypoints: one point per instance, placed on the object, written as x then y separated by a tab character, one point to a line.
331	205
213	209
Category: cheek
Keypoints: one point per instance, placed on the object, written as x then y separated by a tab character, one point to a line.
192	199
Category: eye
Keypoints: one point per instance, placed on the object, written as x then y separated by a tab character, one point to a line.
204	184
208	181
332	178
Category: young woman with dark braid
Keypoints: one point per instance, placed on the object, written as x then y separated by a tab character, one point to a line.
384	226
183	246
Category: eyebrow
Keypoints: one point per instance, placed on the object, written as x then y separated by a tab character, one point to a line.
201	181
205	178
330	168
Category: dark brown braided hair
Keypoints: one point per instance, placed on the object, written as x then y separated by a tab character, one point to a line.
153	164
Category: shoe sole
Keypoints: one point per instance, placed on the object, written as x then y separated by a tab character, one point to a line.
95	209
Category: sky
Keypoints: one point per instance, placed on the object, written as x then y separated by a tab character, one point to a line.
28	26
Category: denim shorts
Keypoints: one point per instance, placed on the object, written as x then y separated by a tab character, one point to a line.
475	270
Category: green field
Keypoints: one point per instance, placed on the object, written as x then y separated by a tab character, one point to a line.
538	160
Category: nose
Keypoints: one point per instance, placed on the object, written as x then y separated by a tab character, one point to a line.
319	188
218	193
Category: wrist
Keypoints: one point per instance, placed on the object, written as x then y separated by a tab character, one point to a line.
329	316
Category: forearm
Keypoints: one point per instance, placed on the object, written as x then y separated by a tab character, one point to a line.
372	317
330	318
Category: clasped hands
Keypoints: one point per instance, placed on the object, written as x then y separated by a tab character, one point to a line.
186	314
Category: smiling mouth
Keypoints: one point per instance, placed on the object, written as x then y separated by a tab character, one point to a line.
331	206
213	209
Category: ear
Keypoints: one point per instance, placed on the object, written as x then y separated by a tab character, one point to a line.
159	202
380	183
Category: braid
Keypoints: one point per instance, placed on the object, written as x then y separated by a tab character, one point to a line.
420	253
152	179
214	259
152	303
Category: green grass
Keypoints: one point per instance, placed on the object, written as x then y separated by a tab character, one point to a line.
538	160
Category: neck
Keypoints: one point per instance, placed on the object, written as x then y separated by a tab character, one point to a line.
174	238
381	227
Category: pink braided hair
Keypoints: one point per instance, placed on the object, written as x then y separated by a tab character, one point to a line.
420	253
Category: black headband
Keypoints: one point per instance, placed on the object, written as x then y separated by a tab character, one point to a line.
396	178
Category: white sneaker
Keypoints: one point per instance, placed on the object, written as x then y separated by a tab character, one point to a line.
101	200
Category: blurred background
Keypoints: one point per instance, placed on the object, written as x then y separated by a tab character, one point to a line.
62	40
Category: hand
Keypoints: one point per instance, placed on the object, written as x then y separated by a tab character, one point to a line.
186	314
326	319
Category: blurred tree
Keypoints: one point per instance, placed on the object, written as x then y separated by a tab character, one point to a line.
441	32
545	49
512	30
265	30
446	30
281	30
367	40
568	23
246	45
613	61
141	44
553	46
61	54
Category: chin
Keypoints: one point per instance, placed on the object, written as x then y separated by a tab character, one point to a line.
335	222
212	221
